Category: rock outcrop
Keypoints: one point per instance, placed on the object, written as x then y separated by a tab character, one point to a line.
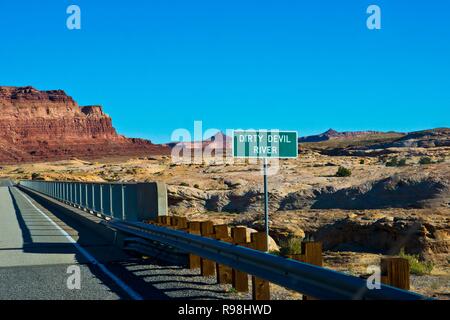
333	134
393	192
386	235
394	143
439	137
49	125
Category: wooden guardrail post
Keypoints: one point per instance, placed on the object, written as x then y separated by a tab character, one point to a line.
239	278
166	220
311	252
260	287
395	272
207	267
173	221
194	228
224	273
182	223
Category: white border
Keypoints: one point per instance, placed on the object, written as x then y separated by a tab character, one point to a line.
264	130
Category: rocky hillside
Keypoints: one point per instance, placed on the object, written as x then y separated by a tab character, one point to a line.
49	125
332	134
376	143
439	137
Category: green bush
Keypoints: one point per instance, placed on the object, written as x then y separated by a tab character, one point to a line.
425	160
416	266
291	245
36	176
343	172
402	163
392	162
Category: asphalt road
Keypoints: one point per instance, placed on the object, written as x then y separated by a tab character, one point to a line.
5	183
42	251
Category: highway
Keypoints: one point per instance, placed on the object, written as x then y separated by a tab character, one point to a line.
39	251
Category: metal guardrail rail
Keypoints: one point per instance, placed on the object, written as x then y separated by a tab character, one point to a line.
308	279
124	201
121	202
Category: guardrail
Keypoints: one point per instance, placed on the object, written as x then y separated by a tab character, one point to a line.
123	201
308	279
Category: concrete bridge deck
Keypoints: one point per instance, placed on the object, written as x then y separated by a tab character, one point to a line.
38	248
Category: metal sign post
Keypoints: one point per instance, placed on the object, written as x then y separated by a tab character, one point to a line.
266	203
265	144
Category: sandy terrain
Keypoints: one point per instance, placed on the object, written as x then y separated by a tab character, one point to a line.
300	194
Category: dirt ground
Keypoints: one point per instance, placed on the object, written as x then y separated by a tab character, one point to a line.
192	185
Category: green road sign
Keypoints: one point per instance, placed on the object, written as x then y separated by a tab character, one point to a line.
265	144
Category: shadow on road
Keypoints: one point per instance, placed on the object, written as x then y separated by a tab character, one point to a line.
151	280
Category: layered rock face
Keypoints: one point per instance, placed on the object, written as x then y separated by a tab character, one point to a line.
49	125
333	134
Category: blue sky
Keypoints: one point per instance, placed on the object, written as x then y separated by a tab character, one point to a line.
158	65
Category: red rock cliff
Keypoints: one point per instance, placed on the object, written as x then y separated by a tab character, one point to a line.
49	125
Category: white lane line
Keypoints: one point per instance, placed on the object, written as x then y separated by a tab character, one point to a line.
133	294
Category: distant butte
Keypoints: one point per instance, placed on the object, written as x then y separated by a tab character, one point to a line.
49	125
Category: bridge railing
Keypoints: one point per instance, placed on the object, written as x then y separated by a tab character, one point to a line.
123	201
308	279
127	205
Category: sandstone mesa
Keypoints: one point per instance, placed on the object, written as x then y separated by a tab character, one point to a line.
49	125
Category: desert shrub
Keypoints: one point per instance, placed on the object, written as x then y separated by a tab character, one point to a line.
196	186
275	252
402	162
343	172
36	176
291	245
392	162
362	161
416	266
184	184
425	160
